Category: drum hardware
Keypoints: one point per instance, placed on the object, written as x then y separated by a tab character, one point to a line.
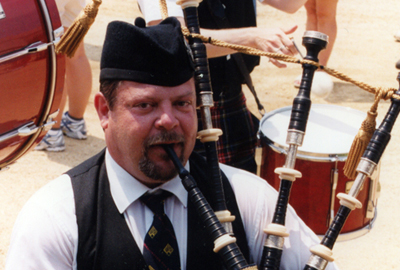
2	13
370	209
25	130
47	18
4	169
29	129
334	181
374	192
34	47
58	34
349	184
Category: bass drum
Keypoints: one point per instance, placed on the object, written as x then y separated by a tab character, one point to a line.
31	74
329	135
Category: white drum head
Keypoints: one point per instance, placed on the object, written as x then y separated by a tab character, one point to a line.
329	134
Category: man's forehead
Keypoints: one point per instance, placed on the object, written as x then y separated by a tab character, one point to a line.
186	89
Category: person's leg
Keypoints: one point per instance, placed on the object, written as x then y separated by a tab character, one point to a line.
311	21
61	110
321	17
311	24
78	82
78	86
326	23
54	139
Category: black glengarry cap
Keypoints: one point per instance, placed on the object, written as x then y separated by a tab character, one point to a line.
155	55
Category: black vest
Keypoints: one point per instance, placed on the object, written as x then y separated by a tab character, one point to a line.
105	241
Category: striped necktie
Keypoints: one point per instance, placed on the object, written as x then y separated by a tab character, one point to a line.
160	249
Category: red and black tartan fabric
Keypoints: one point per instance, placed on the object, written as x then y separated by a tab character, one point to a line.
237	146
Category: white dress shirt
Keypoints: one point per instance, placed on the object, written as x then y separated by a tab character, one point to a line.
45	235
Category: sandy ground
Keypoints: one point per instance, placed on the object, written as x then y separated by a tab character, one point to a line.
365	50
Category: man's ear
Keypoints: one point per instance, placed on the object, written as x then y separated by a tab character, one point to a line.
102	108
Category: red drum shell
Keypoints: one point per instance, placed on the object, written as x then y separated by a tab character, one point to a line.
311	194
31	74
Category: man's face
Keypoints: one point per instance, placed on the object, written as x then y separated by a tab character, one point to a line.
143	118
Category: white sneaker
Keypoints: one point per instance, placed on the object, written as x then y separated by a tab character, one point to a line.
53	141
322	84
72	128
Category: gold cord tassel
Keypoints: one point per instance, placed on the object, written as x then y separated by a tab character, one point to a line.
359	145
362	139
74	35
163	9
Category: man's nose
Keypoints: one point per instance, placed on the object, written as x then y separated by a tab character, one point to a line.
167	119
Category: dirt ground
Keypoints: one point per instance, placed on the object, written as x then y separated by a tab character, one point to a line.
365	50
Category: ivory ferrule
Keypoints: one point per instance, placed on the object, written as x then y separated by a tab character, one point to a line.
276	229
288	174
188	3
223	241
349	201
209	135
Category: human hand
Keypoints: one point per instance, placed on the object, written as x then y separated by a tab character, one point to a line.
276	40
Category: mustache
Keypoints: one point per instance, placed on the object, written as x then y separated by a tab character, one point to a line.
163	138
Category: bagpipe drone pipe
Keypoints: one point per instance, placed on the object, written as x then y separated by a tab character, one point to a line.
276	231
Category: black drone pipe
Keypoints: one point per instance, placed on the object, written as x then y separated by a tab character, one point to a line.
276	231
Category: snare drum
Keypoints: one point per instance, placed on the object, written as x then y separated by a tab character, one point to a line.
330	132
31	74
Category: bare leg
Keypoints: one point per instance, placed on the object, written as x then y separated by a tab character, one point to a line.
61	109
78	82
321	16
77	86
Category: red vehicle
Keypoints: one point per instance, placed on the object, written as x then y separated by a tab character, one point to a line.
31	74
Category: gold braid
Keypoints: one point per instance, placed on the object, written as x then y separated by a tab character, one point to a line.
367	127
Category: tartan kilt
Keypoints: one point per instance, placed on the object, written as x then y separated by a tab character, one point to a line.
236	147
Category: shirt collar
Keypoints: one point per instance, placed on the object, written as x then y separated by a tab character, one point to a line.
126	189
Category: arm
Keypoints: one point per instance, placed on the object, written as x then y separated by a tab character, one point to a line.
265	39
289	6
44	235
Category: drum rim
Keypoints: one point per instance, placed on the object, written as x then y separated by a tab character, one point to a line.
301	154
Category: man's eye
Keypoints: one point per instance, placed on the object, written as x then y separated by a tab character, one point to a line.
183	103
143	105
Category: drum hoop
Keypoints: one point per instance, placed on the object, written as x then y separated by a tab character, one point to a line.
305	155
316	157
